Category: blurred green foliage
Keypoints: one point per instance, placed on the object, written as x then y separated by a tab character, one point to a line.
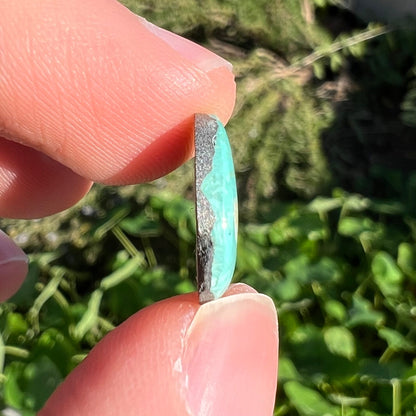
323	141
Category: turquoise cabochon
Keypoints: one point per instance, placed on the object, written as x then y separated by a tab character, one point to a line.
219	188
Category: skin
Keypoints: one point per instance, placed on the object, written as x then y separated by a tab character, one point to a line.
91	92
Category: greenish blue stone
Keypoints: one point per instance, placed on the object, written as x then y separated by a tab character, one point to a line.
219	187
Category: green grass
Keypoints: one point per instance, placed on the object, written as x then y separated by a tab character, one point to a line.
322	137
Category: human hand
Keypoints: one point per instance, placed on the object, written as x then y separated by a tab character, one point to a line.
90	92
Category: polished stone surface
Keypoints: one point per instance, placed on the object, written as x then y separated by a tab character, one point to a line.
217	214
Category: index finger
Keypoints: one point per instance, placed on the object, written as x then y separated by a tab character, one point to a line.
103	92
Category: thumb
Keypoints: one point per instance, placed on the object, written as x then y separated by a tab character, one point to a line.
179	358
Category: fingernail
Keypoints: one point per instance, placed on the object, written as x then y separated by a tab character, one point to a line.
13	267
201	57
231	357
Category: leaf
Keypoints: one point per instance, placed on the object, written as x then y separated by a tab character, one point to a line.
335	310
319	69
27	386
406	259
358	49
249	257
301	270
296	269
287	290
16	325
177	210
141	225
387	275
124	299
308	402
409	402
322	205
40	378
320	3
258	233
184	286
356	203
336	61
395	340
310	353
280	231
354	227
13	394
57	347
298	226
363	313
372	369
325	270
340	341
387	207
287	370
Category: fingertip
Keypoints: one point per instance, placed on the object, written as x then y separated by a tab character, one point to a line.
232	356
134	369
177	357
196	54
33	185
163	155
237	288
13	267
